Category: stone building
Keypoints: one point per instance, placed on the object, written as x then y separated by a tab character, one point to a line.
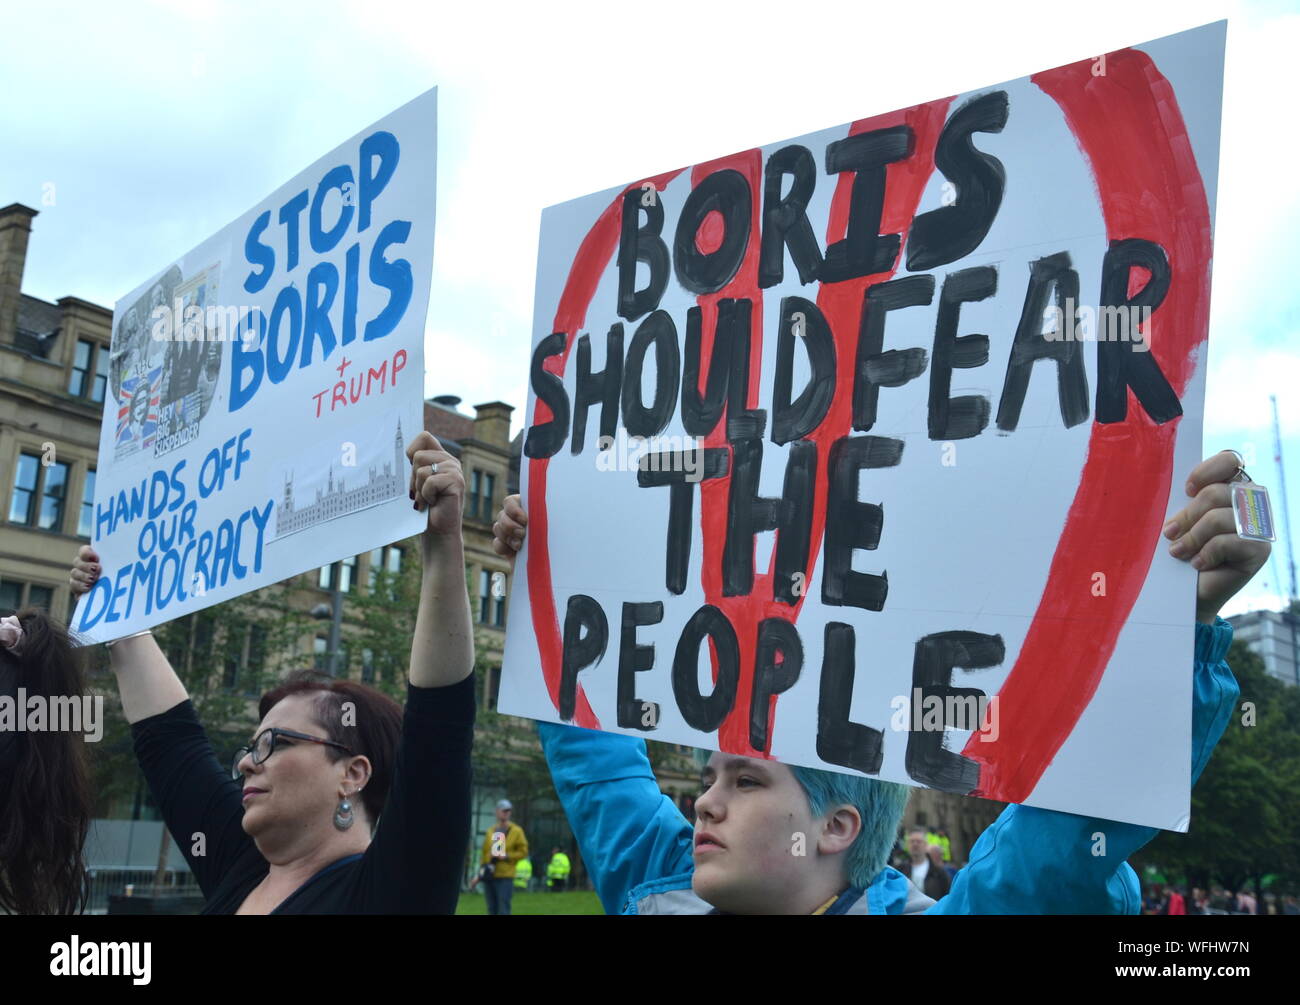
53	375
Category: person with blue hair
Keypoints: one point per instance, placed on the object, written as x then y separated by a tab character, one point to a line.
775	839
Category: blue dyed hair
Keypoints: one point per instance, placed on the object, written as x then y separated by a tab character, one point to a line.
880	804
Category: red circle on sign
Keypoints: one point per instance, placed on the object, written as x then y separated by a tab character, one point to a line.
1158	196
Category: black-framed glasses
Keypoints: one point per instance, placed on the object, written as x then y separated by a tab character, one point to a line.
265	744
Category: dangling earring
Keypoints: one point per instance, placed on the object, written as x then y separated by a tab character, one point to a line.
343	815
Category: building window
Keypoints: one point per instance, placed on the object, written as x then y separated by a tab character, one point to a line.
22	507
367	666
14	596
348	568
52	495
484	596
489	497
493	686
89	370
499	603
320	647
86	522
475	492
386	560
39	491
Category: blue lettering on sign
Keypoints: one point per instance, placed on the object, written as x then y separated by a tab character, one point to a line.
303	320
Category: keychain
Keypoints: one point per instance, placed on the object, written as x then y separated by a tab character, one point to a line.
1250	506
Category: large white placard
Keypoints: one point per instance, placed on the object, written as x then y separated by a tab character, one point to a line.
854	450
263	388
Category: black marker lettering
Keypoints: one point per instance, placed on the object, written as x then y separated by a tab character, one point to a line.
795	420
839	740
586	632
706	714
948	233
546	438
633	658
874	368
1051	274
964	416
603	387
851	524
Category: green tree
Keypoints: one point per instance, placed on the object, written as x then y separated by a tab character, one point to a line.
1243	825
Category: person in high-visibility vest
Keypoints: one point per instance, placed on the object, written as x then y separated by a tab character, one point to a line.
557	871
523	873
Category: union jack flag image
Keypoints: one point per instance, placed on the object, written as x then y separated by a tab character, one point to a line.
137	413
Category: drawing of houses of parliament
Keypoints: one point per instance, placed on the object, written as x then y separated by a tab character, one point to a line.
336	498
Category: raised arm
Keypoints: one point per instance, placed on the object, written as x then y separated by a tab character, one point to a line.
413	865
628	831
145	679
1036	861
1039	861
442	651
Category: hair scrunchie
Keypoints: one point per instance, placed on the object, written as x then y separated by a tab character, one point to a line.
11	634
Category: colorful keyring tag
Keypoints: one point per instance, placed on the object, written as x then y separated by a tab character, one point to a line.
1253	512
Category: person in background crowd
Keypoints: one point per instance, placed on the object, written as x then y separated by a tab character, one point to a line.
557	871
523	873
925	864
645	857
1246	903
1176	904
503	846
45	798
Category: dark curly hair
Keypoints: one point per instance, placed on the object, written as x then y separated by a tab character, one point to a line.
372	727
45	798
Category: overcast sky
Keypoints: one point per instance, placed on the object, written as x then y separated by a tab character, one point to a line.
138	129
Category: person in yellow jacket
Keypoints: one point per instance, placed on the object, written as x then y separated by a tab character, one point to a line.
523	873
503	847
557	871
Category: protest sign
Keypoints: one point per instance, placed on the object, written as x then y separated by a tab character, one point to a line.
264	385
854	450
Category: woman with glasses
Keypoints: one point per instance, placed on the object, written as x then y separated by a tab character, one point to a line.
291	832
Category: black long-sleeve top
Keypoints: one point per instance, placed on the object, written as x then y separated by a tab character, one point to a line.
414	862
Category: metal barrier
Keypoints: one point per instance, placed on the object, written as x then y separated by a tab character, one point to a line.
105	881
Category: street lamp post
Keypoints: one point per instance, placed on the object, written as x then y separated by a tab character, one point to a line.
335	613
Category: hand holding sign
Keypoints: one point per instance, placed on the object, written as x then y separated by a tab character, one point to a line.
1204	532
508	532
85	570
438	485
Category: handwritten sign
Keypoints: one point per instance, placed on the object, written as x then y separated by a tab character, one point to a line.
263	388
853	450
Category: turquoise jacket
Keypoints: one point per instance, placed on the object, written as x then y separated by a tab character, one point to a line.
638	846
